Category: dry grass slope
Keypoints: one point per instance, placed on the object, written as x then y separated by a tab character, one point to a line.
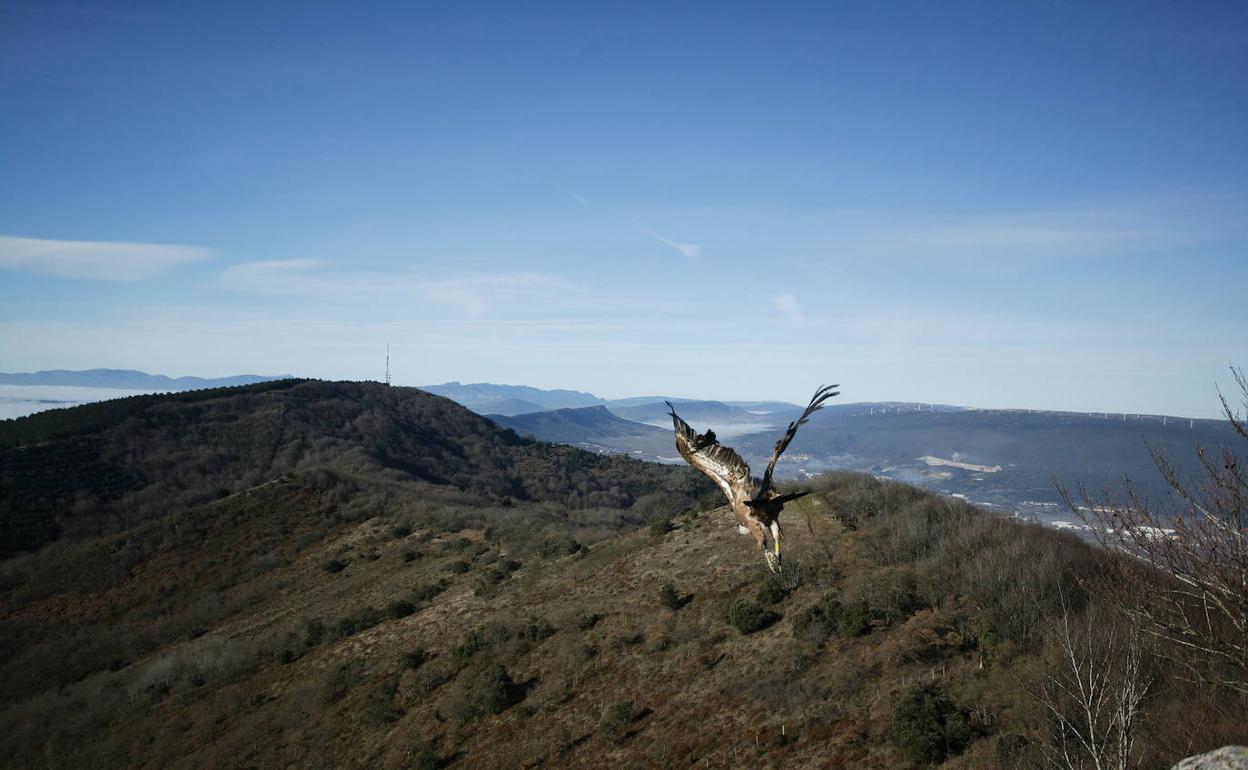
377	622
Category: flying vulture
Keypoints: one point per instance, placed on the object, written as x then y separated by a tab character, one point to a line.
757	505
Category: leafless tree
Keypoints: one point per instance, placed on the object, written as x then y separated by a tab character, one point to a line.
1197	540
1092	693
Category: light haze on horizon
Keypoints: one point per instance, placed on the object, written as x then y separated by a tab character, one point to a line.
1026	205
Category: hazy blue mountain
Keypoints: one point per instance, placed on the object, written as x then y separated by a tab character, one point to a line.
725	419
596	429
507	406
130	379
639	400
765	406
1004	458
1008	458
488	398
573	425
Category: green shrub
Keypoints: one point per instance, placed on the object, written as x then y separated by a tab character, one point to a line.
379	708
561	547
660	524
399	609
587	621
415	659
422	594
616	721
313	632
747	617
458	567
830	616
336	682
488	581
482	638
773	590
928	727
669	598
854	620
491	691
427	758
409	555
360	620
812	624
334	565
537	630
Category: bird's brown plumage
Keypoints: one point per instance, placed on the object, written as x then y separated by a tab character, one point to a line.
756	506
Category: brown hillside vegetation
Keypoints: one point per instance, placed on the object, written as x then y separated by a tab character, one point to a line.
356	618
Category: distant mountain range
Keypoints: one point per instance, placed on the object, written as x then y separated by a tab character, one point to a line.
594	428
130	379
1008	459
724	415
1003	458
487	398
511	400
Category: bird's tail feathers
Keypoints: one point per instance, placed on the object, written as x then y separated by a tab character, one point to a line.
780	500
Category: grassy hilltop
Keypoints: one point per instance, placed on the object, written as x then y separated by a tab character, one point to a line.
346	575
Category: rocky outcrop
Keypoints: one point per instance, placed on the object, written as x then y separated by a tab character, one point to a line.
1225	758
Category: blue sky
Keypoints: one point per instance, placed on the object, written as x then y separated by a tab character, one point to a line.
995	204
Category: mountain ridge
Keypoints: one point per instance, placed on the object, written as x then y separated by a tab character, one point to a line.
312	574
130	379
70	470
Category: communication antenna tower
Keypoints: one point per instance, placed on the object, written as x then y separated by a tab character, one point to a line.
387	364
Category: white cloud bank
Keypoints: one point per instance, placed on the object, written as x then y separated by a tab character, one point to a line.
94	260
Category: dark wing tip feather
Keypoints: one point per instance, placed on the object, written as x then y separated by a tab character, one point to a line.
823	393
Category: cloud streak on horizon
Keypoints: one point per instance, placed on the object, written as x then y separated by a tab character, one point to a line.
471	295
94	260
1093	231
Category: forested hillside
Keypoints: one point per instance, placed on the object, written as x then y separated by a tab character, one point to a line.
105	467
332	575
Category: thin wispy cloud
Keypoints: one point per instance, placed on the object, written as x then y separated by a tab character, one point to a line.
1091	232
94	260
470	295
574	195
477	295
271	275
790	310
690	250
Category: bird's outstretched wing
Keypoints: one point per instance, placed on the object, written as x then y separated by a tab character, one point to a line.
721	463
816	403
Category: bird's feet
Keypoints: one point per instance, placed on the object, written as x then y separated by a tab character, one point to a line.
773	561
